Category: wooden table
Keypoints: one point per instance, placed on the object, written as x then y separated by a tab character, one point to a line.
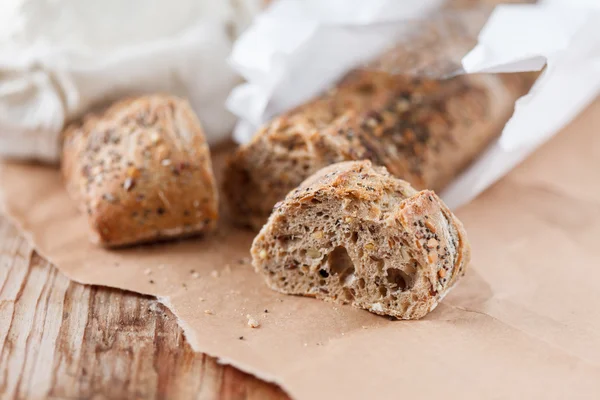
60	339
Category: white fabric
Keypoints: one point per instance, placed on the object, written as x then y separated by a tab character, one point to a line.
59	57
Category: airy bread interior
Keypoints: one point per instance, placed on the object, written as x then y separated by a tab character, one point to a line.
362	237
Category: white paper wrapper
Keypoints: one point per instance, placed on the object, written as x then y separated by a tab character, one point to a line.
58	58
298	48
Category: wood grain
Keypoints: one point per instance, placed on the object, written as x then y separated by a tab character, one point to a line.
63	340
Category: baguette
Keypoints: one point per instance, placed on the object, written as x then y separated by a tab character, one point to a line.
141	172
424	131
353	233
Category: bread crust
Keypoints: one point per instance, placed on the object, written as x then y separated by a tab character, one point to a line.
424	131
354	234
141	171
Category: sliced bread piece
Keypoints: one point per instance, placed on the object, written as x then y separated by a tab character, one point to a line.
353	233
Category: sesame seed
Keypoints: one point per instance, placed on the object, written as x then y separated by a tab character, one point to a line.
262	254
128	184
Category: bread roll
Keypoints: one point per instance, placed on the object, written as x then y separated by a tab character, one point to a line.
141	172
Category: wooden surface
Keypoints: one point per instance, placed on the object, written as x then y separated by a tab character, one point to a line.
63	340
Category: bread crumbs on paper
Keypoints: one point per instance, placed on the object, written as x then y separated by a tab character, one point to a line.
209	312
252	322
147	271
200	298
195	274
214	274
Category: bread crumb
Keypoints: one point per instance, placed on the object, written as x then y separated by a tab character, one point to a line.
252	322
147	271
214	274
195	274
209	312
200	298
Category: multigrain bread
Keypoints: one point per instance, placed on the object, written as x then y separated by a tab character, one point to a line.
141	171
401	111
424	131
353	233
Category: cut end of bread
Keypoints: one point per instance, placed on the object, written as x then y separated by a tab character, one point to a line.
354	234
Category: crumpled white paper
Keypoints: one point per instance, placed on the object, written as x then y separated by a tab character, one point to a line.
59	58
298	48
564	34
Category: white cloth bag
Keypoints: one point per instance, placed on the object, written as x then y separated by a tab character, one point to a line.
58	58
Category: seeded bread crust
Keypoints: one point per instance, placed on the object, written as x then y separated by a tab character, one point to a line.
424	131
354	234
141	171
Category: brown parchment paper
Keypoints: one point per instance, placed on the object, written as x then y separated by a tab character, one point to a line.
523	323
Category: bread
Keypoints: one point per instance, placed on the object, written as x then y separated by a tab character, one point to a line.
424	131
353	233
141	171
